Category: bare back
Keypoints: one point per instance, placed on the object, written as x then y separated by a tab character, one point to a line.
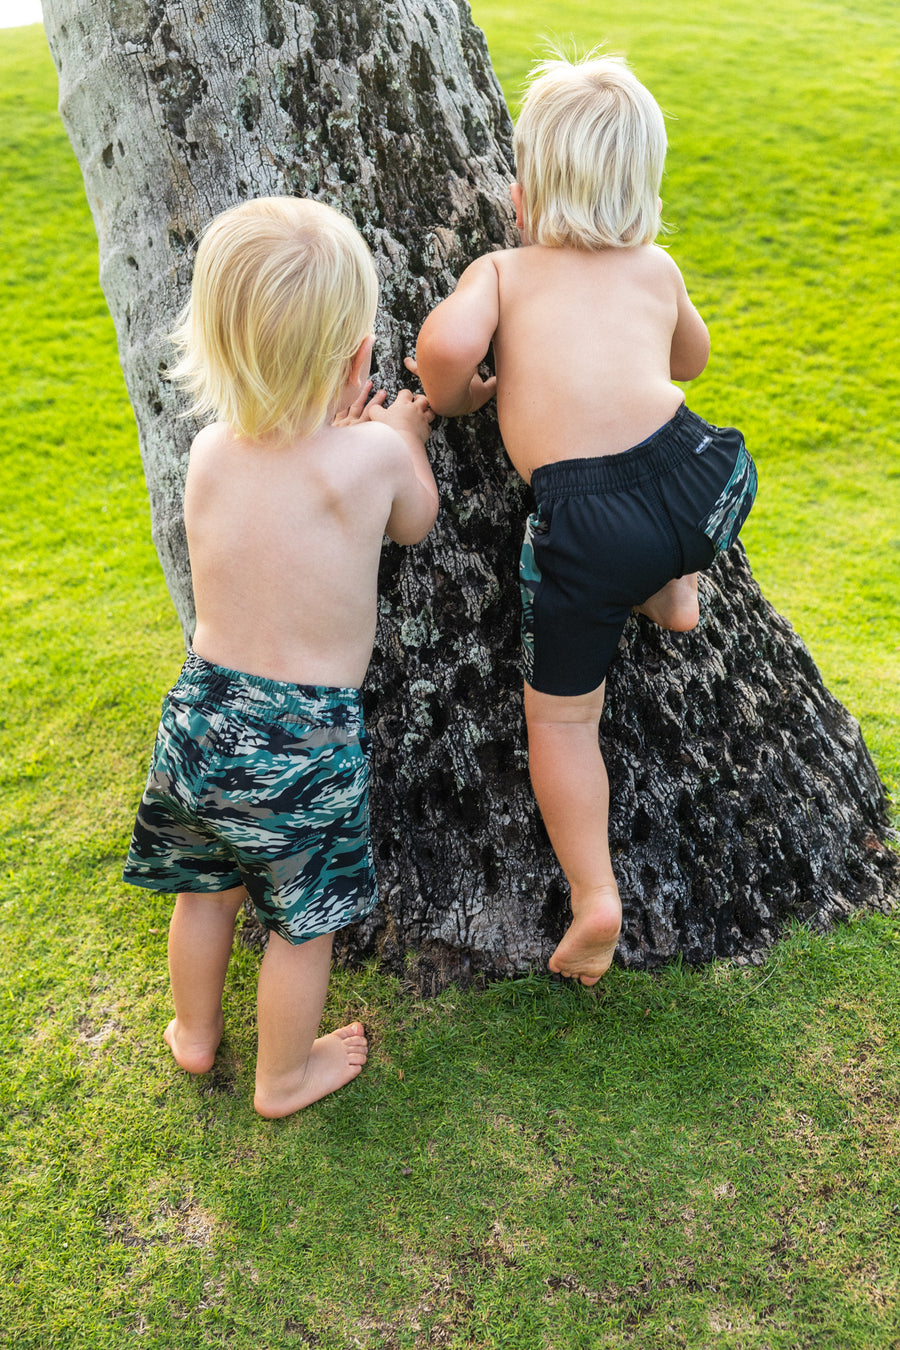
587	345
581	352
284	545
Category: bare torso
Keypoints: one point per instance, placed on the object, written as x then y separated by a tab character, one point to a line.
284	545
583	350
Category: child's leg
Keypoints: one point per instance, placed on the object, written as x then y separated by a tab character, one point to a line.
572	790
293	1068
200	937
676	606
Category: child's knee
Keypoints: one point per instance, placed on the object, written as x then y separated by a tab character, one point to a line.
558	710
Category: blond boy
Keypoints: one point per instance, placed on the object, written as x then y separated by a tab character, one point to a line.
590	324
259	779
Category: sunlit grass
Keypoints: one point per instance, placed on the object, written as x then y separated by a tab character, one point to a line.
696	1159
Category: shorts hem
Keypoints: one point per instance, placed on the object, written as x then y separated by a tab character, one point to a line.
161	888
577	693
325	930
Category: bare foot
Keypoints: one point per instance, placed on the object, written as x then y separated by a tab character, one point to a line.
334	1061
194	1056
676	606
589	942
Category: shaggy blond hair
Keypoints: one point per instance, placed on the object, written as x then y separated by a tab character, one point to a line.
590	146
284	291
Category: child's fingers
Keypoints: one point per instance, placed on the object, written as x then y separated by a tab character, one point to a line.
482	391
374	402
418	402
354	412
376	411
411	365
359	403
358	410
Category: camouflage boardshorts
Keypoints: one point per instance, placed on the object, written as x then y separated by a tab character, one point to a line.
259	782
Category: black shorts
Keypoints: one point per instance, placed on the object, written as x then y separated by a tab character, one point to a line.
612	530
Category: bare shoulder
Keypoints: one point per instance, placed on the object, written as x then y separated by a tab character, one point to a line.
661	264
210	443
486	265
375	448
380	474
659	260
209	450
484	272
374	438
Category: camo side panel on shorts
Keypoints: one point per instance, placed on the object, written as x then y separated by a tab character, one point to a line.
263	784
529	580
723	523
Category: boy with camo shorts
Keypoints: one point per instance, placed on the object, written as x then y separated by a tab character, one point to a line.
591	325
259	778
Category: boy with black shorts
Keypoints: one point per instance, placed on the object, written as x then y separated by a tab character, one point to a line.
259	779
590	324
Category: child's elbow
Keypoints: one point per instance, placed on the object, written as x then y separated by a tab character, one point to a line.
689	362
439	386
685	371
446	363
409	536
427	520
412	526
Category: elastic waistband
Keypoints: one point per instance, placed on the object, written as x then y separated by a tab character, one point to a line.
685	434
318	705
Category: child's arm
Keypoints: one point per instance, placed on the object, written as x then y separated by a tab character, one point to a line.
416	502
454	341
690	340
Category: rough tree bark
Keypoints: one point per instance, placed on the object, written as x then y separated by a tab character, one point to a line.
743	795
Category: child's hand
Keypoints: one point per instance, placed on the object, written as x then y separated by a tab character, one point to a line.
480	391
409	413
358	410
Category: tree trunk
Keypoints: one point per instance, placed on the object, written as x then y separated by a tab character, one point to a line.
742	793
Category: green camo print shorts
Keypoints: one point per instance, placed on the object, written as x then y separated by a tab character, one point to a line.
263	783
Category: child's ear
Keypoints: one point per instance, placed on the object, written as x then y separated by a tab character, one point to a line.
360	362
515	191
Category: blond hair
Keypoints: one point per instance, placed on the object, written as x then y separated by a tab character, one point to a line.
590	146
283	294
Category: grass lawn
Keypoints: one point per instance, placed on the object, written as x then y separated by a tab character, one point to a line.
696	1159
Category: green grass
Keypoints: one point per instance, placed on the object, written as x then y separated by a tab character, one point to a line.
698	1159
